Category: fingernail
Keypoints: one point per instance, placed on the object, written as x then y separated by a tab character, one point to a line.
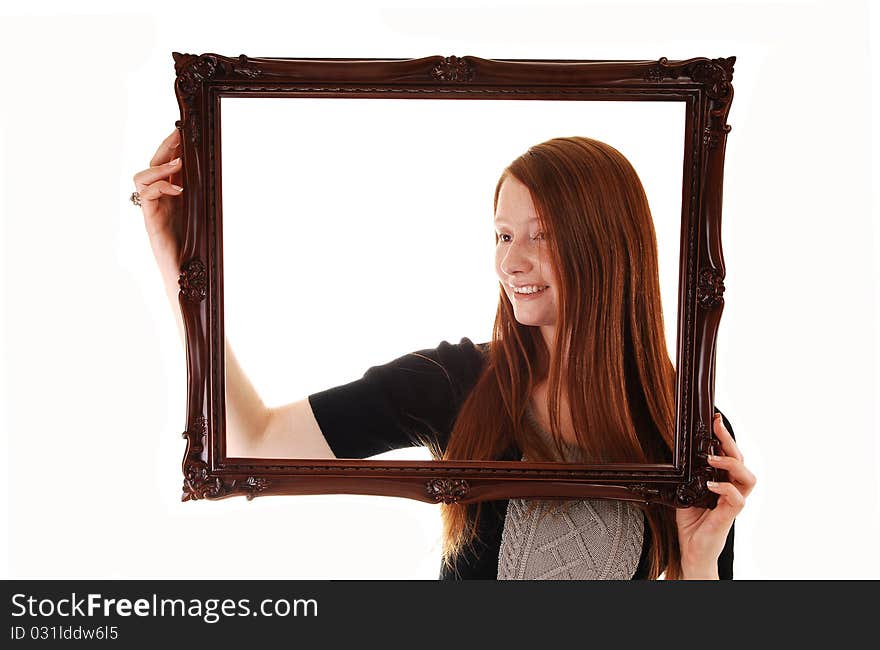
711	484
711	457
178	188
175	161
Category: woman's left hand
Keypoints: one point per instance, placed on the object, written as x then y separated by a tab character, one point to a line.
703	531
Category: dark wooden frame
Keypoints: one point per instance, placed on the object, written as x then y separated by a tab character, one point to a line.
704	86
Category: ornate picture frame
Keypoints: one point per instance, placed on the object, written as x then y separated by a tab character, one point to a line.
703	85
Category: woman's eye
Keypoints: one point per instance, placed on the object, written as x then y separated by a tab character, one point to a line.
501	237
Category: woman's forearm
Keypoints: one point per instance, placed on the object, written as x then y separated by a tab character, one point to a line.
247	417
165	250
246	414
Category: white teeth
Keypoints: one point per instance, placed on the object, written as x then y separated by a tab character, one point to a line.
531	289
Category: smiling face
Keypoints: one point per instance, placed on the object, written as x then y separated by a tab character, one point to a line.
522	260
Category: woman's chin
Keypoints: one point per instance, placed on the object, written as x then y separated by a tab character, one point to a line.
531	321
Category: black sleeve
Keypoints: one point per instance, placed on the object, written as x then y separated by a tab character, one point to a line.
418	394
725	560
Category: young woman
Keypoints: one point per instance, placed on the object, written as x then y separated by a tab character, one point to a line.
577	370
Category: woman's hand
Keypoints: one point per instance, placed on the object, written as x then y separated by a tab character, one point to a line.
162	206
703	531
160	190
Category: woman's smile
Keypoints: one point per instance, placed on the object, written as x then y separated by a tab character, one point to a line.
532	292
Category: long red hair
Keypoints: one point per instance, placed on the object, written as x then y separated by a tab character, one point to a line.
619	381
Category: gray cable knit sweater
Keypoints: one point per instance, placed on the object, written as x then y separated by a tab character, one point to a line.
552	539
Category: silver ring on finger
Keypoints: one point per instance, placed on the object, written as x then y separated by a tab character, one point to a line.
136	198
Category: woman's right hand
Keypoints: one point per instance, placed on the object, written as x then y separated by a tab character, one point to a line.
160	190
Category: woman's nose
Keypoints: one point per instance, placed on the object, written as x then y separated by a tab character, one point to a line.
515	259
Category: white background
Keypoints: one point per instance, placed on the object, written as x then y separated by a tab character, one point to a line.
358	230
94	374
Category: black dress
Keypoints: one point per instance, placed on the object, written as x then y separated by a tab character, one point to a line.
421	393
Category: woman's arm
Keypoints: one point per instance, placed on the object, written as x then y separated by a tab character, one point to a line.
392	406
252	429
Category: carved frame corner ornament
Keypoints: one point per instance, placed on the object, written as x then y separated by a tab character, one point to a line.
703	85
716	78
198	480
695	492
